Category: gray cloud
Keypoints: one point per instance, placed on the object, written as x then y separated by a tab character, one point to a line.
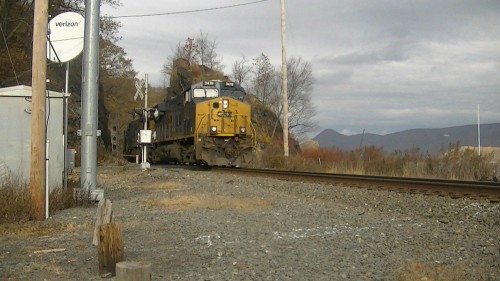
382	66
394	51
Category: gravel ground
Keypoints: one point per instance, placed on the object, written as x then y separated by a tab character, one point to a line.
195	224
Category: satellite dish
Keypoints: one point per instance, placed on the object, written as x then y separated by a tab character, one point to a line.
65	40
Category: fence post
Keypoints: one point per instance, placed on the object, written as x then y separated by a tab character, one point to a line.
110	248
104	215
133	271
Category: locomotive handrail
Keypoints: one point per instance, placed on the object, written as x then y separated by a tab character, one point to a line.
243	116
235	126
252	128
198	128
254	131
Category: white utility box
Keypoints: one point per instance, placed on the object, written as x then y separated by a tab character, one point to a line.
15	118
145	136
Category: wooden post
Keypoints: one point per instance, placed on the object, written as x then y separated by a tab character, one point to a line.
133	271
38	83
110	248
104	216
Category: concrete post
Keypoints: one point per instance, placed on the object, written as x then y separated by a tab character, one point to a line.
90	92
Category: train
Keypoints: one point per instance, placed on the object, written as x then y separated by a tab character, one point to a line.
210	123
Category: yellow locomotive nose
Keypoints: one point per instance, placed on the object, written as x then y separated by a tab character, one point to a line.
224	117
225	139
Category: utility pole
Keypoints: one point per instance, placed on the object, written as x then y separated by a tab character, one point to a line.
284	80
39	87
90	91
478	133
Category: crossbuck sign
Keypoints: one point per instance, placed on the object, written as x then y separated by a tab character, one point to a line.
139	85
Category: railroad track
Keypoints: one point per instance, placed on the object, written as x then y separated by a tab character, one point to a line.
479	190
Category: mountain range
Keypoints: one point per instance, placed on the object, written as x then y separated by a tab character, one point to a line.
429	141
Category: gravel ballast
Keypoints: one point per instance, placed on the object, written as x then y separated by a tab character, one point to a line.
194	224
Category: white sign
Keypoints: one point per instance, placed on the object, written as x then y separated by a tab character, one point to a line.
65	38
138	86
145	136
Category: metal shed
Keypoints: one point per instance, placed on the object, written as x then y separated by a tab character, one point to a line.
15	119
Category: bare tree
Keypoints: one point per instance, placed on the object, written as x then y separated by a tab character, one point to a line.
241	70
199	51
168	66
264	74
300	109
189	52
208	55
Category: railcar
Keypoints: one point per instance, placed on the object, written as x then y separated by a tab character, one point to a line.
209	123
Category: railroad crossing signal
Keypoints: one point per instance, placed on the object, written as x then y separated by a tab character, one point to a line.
139	85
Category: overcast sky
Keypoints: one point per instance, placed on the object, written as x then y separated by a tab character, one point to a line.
382	66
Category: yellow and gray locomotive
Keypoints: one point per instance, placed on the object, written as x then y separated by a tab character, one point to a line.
210	123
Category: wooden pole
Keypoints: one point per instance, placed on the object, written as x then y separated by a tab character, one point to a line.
110	250
38	80
133	271
284	81
104	216
478	133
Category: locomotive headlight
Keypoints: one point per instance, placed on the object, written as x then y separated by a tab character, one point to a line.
225	104
243	130
213	129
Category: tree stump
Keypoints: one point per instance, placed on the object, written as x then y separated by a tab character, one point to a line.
104	215
133	271
110	248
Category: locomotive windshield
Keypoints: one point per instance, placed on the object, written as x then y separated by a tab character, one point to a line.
214	89
205	93
233	93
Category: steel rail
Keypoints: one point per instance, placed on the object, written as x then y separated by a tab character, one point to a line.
454	188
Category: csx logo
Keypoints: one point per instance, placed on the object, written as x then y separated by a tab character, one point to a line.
224	113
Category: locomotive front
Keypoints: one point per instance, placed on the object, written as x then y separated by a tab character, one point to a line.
224	134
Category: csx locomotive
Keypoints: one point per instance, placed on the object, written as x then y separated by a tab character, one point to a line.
209	123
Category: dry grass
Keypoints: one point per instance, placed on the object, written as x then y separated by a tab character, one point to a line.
163	186
54	268
124	180
459	163
34	228
27	229
125	176
415	271
210	202
15	199
16	213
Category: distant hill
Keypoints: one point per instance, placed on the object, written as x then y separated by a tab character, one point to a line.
430	141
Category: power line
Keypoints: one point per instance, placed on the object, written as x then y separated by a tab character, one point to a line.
187	12
8	51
